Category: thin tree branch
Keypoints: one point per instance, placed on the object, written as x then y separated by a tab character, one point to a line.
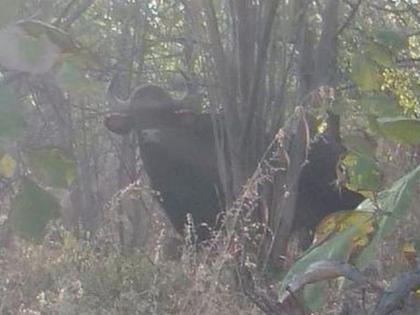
352	15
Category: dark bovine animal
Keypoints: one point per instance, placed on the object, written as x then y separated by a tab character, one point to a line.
318	193
178	151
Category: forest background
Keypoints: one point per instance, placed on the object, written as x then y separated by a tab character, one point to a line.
72	237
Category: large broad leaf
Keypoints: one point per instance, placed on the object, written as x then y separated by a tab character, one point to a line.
52	166
363	172
360	145
70	76
11	119
9	11
356	233
343	220
338	246
402	129
380	54
394	204
394	40
380	105
7	165
23	52
365	73
31	209
58	37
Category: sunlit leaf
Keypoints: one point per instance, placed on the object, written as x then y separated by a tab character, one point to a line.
365	73
31	209
52	166
362	171
411	251
7	165
361	232
338	246
11	119
338	222
393	204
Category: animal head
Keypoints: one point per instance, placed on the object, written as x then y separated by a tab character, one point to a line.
149	106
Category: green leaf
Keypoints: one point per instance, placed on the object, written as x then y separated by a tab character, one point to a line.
401	129
380	54
23	52
12	123
394	204
315	295
360	145
9	11
52	166
7	165
394	40
363	172
336	248
366	74
32	208
70	76
380	105
373	123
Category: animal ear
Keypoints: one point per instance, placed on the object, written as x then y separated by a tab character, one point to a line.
118	123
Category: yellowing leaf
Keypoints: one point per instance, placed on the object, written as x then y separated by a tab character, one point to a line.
363	173
7	165
340	221
394	204
410	250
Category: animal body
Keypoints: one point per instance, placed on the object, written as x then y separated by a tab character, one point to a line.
178	151
318	193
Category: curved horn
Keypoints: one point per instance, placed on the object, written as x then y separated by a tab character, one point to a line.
117	103
192	98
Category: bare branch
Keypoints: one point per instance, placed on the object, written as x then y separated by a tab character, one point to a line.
352	15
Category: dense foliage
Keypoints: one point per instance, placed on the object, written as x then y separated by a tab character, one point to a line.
80	230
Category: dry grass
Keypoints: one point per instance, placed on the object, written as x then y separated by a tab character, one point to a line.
66	276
